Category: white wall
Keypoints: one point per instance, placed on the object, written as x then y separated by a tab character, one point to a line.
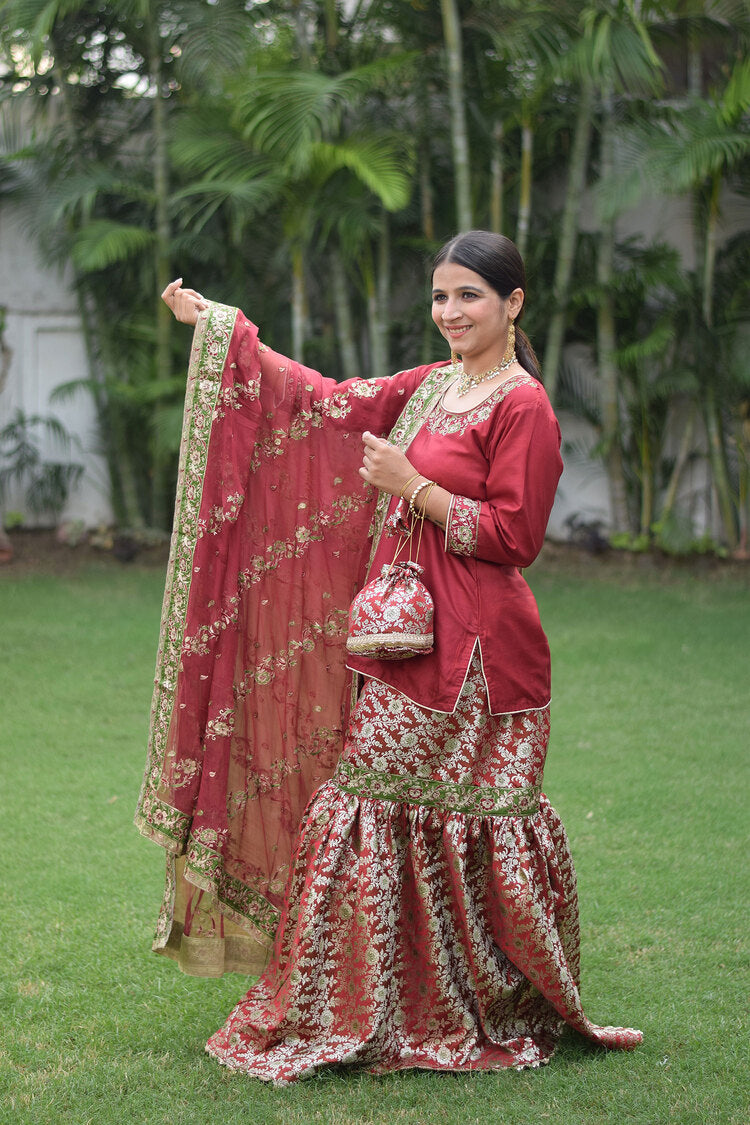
44	348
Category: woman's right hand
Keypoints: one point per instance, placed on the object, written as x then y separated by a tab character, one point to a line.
184	303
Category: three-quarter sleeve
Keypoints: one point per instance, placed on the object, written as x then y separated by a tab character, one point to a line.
508	526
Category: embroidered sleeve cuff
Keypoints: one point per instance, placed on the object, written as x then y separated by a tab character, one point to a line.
462	528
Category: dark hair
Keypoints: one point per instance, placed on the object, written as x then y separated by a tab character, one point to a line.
496	259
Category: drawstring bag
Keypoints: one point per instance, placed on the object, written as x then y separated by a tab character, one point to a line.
391	617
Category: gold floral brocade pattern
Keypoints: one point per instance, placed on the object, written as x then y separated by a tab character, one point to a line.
416	934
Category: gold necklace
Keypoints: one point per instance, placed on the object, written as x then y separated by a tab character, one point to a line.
465	382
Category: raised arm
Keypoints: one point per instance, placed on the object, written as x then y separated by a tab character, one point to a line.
184	303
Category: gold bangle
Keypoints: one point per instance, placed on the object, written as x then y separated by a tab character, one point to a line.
403	490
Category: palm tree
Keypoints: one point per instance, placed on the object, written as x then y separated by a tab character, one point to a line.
101	181
700	147
614	55
303	126
457	97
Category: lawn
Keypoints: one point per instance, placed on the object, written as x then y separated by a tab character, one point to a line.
648	767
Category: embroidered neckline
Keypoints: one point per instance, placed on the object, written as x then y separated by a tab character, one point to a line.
509	384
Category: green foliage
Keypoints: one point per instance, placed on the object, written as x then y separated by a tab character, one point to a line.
248	148
46	484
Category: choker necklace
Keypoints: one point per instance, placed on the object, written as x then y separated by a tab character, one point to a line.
465	381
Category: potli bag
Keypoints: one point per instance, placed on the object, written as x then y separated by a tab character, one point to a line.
391	617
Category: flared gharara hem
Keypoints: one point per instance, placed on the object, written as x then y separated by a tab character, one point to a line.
414	937
336	1064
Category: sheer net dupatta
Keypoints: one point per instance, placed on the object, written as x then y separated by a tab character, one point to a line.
250	699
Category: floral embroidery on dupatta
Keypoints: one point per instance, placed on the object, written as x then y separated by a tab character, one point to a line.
154	817
204	862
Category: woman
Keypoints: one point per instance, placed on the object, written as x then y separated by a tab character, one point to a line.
430	915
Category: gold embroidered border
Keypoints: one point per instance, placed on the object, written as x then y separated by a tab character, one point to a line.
154	818
462	530
408	424
450	796
204	868
447	422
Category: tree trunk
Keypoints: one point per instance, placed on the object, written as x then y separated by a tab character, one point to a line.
459	132
332	26
566	247
426	197
683	452
300	329
717	456
344	324
709	250
496	178
377	306
743	458
384	293
524	195
161	491
606	338
647	477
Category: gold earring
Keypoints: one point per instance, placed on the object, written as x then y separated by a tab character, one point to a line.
454	357
510	348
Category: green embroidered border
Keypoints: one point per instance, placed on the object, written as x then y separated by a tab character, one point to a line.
460	797
154	818
238	901
408	423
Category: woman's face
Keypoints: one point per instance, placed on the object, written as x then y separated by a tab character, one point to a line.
472	316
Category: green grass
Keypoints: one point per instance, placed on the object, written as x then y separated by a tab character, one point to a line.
648	767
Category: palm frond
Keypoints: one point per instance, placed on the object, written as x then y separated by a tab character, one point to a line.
286	112
735	100
378	162
104	242
199	201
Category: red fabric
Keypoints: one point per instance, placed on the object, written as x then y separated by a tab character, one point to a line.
505	456
252	692
415	934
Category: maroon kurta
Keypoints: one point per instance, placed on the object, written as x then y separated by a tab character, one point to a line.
501	460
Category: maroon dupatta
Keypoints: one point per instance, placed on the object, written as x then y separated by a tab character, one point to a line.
250	699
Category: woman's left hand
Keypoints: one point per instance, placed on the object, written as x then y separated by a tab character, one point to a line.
384	465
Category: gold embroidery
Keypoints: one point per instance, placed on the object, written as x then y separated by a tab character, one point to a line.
154	817
230	398
197	644
319	742
462	531
335	625
282	549
461	797
222	726
442	421
219	515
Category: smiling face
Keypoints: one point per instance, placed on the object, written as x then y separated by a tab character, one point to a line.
472	316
